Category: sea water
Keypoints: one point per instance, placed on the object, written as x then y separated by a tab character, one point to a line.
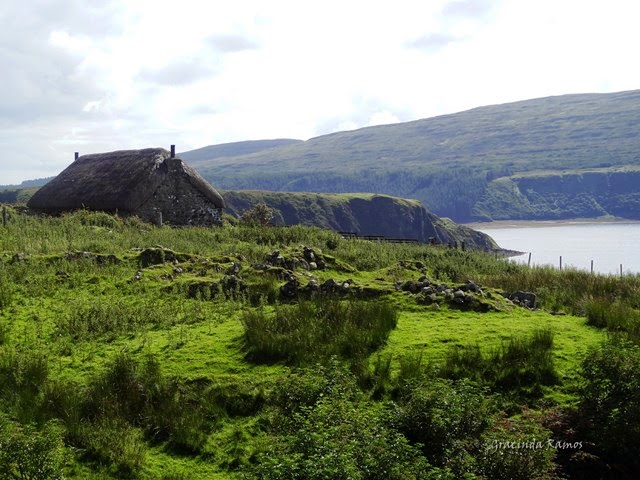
608	245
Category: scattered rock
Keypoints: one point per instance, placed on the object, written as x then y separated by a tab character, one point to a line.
309	254
473	287
307	259
234	269
290	289
524	299
18	257
106	259
155	256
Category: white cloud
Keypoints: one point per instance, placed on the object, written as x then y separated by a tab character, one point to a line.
120	74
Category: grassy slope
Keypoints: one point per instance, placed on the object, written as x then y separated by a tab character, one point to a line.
194	157
362	213
200	341
446	161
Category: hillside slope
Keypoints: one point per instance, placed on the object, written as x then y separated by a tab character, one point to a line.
195	157
446	162
363	214
564	194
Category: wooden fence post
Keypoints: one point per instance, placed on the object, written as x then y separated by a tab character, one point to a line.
159	220
591	266
560	262
529	261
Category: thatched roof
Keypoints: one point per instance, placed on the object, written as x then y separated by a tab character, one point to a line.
122	180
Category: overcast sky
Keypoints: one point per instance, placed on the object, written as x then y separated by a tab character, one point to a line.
94	76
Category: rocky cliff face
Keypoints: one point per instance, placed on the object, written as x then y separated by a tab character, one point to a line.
564	194
363	214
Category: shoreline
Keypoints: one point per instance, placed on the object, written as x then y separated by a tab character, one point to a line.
547	223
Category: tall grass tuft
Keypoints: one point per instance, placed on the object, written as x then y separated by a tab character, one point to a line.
614	315
521	362
317	329
23	376
6	288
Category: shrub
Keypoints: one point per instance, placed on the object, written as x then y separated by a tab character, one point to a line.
516	449
447	418
339	439
305	386
609	407
259	215
318	329
95	219
30	454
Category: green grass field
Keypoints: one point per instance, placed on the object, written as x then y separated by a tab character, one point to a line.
113	328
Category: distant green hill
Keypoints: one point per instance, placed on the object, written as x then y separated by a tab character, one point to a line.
195	157
38	182
451	163
584	193
16	195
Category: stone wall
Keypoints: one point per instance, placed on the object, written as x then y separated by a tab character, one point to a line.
179	202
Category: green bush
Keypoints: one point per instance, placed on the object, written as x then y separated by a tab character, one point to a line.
459	428
258	215
516	449
305	386
338	439
95	219
27	453
317	329
447	419
609	407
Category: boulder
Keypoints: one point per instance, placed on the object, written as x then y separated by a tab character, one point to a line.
524	299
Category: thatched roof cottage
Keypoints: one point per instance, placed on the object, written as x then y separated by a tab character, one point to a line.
150	183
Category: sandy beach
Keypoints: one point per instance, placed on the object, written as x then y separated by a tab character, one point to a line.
547	223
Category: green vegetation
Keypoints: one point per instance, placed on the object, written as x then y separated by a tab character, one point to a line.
310	331
560	194
353	212
133	351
